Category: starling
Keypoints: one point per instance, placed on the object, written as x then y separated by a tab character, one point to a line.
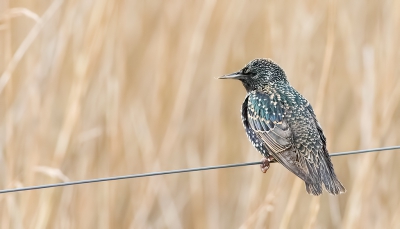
282	126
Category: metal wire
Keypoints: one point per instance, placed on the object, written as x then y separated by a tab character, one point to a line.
176	171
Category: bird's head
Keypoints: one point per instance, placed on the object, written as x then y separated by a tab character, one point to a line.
258	73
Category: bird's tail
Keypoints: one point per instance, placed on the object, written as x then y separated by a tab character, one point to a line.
314	188
335	187
332	184
328	177
324	174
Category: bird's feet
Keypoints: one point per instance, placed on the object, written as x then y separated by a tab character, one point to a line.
265	163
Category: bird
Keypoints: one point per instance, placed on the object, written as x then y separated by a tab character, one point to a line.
282	126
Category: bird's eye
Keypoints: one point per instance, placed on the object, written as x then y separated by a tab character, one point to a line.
246	71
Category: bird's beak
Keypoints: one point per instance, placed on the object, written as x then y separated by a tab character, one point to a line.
235	76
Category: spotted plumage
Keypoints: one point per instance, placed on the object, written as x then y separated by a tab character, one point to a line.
282	126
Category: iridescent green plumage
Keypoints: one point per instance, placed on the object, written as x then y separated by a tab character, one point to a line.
281	123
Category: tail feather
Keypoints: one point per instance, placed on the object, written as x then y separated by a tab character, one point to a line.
323	173
331	183
328	177
314	188
334	187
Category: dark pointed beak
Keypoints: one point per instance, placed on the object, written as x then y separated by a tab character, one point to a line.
235	76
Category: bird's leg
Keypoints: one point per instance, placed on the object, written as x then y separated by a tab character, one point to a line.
265	163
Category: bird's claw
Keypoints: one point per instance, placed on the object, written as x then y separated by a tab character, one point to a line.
264	165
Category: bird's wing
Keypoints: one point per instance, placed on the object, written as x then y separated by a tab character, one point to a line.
266	116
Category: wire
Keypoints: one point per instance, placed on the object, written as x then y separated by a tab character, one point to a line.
127	177
176	171
365	151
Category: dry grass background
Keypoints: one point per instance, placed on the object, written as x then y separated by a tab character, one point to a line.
98	88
